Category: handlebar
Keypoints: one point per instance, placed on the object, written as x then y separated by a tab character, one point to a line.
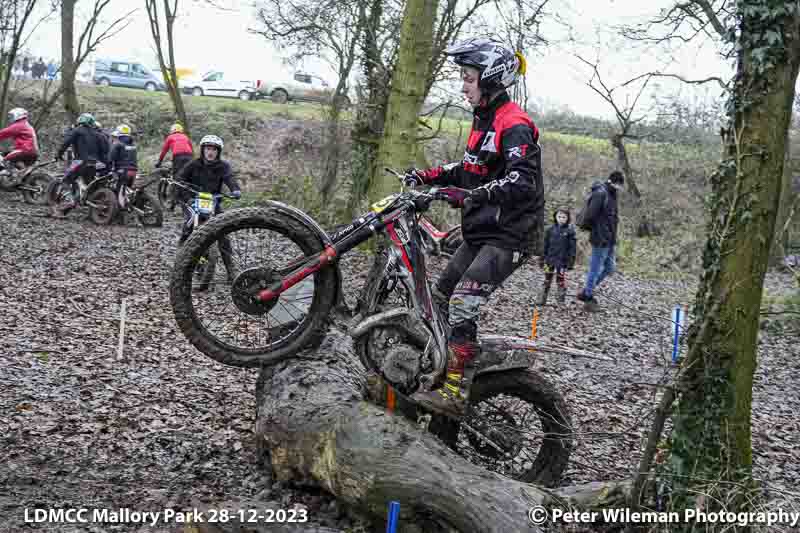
434	193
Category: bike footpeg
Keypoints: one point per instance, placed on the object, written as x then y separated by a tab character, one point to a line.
423	421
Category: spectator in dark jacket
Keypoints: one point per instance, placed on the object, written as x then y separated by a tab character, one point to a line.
602	218
559	255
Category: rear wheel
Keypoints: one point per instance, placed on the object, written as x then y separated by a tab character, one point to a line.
39	181
244	95
227	322
102	206
105	82
521	413
197	91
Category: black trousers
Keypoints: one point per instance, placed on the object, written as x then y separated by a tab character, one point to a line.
471	276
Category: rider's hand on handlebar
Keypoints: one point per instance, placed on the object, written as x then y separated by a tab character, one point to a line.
454	196
158	164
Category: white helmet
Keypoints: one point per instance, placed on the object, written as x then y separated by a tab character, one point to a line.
211	140
17	114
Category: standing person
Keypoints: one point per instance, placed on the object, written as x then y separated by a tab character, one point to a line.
501	168
26	68
601	218
51	70
559	255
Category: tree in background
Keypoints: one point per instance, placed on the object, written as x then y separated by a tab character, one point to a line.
331	30
72	59
167	61
398	145
15	24
709	466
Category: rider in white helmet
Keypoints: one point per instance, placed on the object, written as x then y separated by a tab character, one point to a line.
26	146
207	173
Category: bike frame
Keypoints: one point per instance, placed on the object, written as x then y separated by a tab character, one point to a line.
398	217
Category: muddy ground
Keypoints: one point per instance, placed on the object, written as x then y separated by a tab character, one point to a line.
166	427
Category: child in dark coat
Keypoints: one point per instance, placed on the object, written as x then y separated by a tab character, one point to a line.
559	255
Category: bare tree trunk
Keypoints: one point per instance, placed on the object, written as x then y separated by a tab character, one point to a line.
68	69
710	445
398	146
781	244
169	71
645	227
315	427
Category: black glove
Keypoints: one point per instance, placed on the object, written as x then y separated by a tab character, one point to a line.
60	157
158	165
478	196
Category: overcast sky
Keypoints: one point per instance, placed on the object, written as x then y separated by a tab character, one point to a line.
208	38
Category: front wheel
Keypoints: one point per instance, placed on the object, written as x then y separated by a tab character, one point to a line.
524	416
259	247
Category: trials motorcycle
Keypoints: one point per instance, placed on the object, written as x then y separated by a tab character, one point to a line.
516	423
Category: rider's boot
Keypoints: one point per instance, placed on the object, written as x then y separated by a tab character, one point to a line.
451	399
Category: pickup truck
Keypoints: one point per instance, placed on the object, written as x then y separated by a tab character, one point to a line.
301	88
220	83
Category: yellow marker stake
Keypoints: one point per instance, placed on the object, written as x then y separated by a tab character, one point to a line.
534	320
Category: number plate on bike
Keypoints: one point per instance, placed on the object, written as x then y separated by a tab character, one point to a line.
204	204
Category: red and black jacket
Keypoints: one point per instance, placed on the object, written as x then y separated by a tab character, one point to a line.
503	157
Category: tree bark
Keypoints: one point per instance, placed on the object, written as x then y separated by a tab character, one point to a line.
168	70
68	69
710	445
398	147
781	243
314	426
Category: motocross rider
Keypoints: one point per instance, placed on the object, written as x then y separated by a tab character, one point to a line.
501	169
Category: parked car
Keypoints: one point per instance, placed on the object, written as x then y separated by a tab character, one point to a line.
221	83
301	87
126	74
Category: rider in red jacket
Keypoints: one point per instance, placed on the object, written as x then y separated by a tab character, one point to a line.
501	168
26	146
180	145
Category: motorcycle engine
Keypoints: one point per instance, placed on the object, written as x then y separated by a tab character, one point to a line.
401	366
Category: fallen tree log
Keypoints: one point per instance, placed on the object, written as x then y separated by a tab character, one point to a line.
315	426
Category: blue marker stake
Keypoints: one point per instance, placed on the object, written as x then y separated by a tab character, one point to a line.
394	514
676	318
